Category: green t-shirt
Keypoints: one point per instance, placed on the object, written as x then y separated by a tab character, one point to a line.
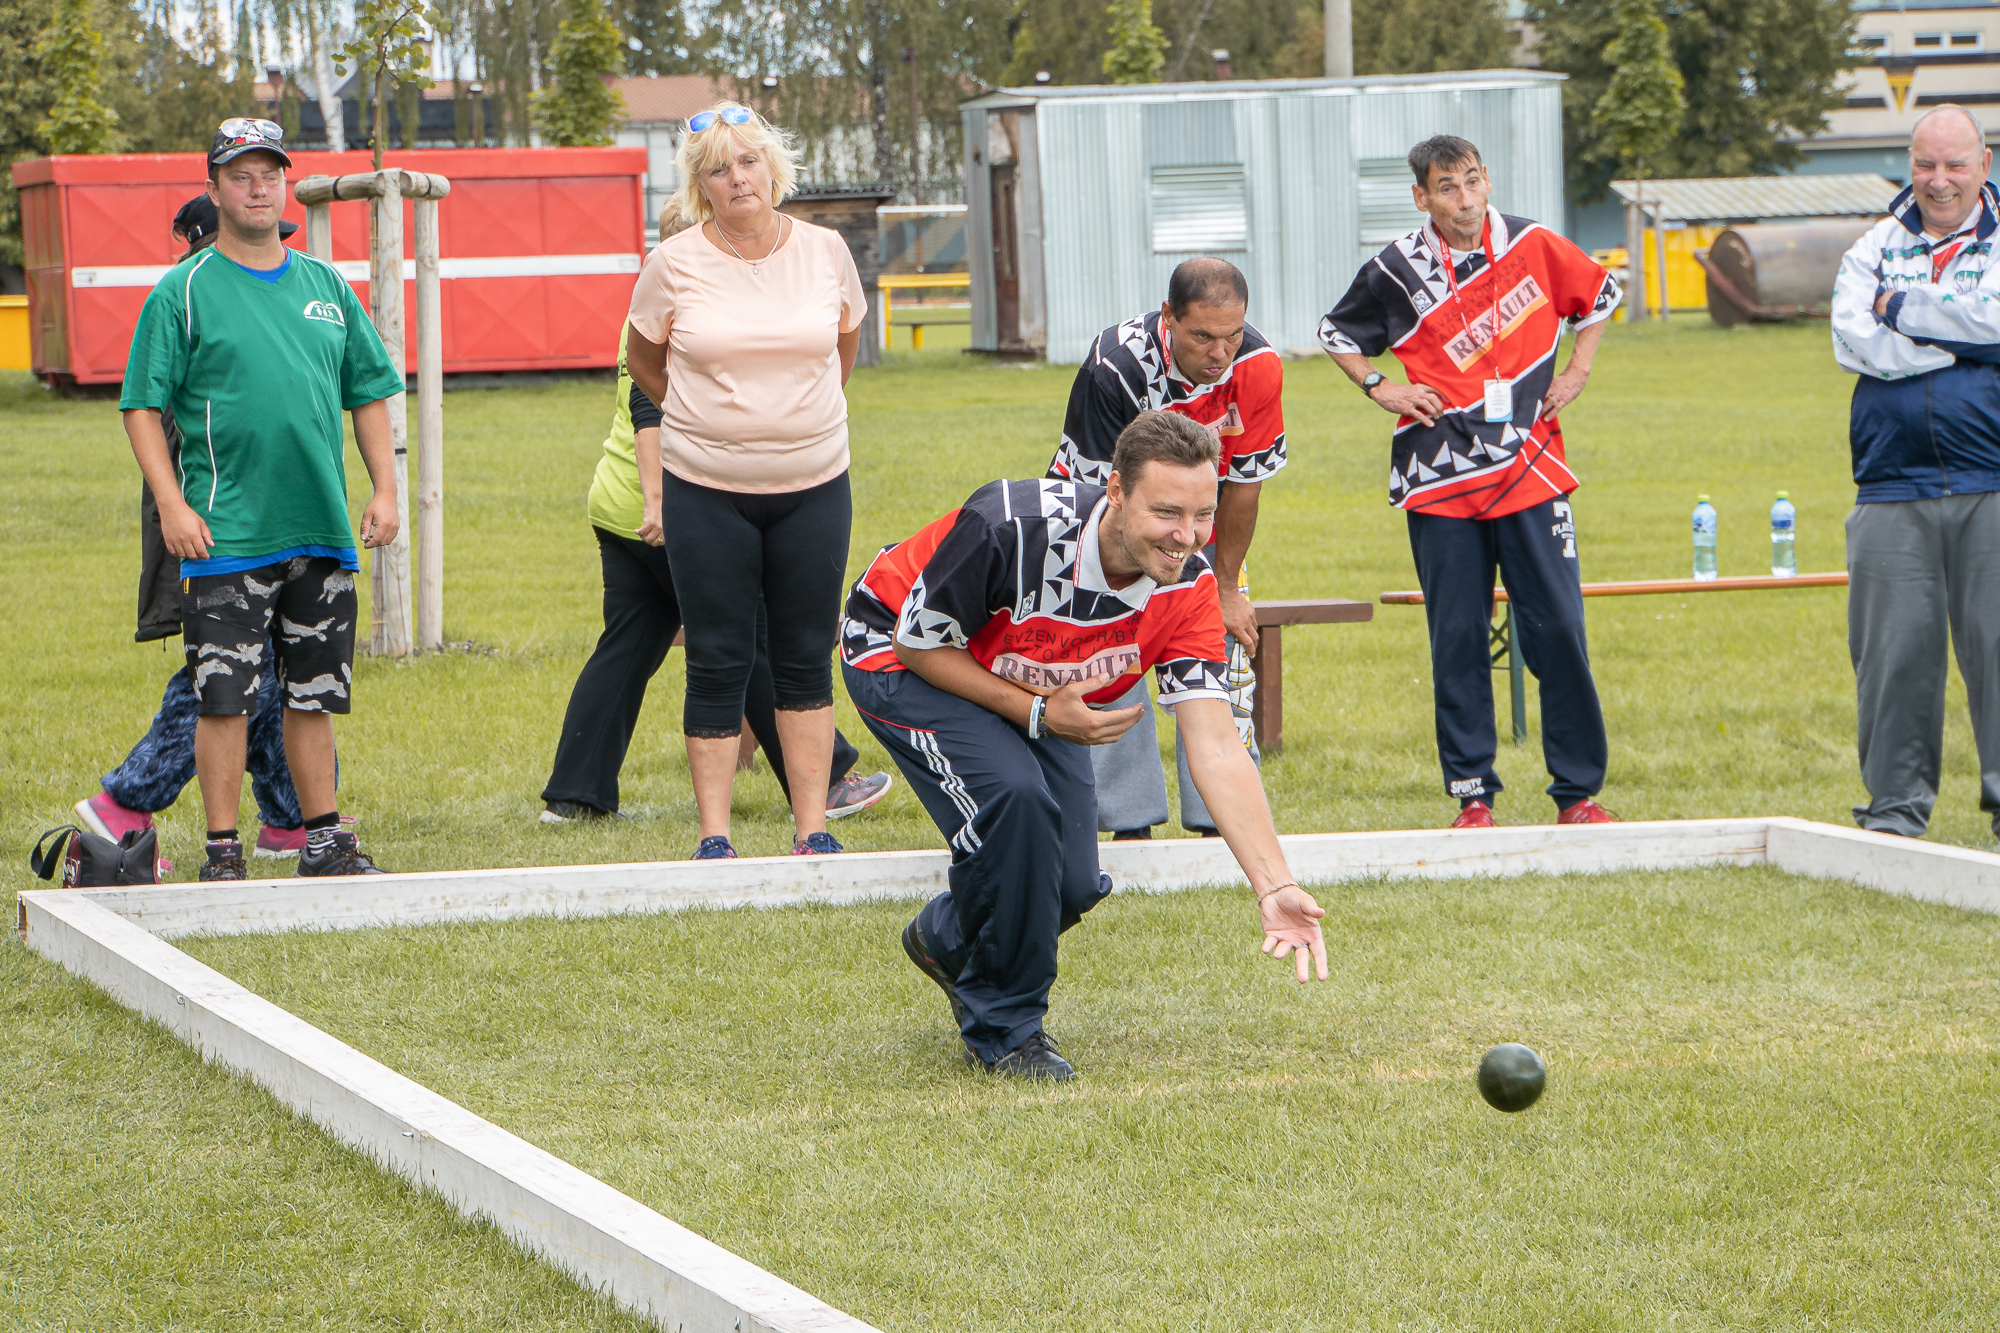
616	503
257	374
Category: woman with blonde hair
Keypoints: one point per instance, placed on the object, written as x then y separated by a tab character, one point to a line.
743	329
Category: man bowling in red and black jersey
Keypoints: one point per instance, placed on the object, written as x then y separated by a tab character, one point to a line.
1474	304
975	651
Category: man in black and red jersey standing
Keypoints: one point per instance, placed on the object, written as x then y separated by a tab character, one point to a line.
1197	357
981	652
1474	304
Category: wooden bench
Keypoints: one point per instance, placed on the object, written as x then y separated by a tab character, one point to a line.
1503	629
1267	707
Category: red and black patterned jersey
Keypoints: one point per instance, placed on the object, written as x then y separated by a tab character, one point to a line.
1131	370
1441	328
1014	576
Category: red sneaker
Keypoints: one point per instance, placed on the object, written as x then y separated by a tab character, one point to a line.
281	842
1476	814
108	819
1586	811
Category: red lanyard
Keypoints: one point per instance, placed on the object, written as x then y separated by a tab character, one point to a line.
1451	280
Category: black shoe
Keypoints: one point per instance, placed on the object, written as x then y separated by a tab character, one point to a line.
344	857
225	861
1036	1057
913	945
576	812
1133	835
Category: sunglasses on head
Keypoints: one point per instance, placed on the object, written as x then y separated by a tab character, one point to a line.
246	130
729	115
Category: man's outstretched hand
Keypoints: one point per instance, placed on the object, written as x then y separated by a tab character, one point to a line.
1291	926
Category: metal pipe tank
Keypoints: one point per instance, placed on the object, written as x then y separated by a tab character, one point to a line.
1777	270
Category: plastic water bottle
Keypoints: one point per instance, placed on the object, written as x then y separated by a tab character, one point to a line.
1704	540
1784	549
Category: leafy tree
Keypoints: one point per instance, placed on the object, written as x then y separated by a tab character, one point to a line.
1137	51
72	51
1758	75
1423	36
582	108
1642	106
387	45
26	93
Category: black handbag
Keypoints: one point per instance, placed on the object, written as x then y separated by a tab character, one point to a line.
91	862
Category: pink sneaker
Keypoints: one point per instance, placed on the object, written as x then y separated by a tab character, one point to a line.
108	819
274	843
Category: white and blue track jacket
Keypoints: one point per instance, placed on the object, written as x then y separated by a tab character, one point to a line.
1925	419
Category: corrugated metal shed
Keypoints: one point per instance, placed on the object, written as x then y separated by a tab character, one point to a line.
1081	200
1754	198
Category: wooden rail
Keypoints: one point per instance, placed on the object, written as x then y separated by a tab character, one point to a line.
1642	587
1267	706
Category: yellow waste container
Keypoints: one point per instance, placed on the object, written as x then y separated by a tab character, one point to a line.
14	352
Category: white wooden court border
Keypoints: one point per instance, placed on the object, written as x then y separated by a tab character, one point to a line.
117	939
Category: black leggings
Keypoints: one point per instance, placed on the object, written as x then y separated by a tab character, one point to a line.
729	547
641	617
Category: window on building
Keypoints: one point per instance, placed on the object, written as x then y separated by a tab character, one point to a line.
1967	41
1870	43
1200	209
1927	41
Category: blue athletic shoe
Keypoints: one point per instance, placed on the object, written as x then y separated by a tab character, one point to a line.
816	844
715	848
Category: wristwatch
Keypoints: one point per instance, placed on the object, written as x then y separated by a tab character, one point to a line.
1368	383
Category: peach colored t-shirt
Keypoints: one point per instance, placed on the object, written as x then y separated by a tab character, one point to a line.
754	401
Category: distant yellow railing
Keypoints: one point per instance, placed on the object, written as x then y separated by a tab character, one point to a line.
14	347
895	282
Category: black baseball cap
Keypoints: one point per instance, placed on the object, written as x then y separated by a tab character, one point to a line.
244	134
198	220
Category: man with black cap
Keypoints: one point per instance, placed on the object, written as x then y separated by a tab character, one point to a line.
258	349
161	764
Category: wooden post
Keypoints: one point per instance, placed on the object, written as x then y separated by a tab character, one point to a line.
1660	258
319	231
1635	263
390	631
430	432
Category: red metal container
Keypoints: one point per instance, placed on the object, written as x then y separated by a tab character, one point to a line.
538	250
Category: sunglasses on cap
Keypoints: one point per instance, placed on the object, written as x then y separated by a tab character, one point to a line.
729	115
244	130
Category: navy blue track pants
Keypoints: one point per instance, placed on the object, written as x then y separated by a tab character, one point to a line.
1021	818
1535	552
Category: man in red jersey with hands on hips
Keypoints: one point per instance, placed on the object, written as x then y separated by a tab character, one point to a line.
975	651
1474	304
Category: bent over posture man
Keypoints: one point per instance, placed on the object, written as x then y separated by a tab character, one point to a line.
1916	314
1473	303
258	350
975	650
1196	356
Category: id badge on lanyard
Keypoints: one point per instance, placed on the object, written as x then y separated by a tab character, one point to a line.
1499	399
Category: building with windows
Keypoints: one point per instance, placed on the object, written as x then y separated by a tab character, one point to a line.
1918	54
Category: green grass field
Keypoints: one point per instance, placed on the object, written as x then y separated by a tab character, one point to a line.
1770	1105
1718	704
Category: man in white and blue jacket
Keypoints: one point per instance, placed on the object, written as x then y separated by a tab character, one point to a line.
1916	313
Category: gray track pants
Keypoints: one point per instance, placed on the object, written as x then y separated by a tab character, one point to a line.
1131	784
1919	570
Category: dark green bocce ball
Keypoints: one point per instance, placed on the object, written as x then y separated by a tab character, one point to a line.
1511	1077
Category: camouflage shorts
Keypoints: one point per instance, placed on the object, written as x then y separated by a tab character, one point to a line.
304	608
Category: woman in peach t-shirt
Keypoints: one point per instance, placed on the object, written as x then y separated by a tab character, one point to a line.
743	329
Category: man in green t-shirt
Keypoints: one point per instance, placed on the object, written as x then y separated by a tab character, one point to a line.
258	349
